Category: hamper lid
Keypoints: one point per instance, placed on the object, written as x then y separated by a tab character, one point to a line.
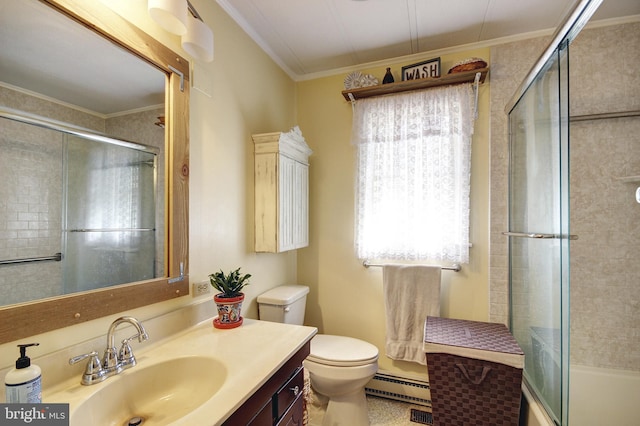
472	339
283	295
341	351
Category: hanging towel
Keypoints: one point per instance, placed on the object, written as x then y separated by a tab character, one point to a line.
411	293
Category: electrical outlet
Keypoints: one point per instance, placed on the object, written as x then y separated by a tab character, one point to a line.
203	287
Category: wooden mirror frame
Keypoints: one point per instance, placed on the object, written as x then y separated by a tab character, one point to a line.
28	319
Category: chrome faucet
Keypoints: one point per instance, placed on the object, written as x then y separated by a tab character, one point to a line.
113	362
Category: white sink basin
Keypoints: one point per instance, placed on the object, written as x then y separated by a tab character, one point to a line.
158	393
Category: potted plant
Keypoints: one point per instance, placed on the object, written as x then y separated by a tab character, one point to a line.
229	300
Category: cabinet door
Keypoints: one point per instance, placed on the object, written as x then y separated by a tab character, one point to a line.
301	206
287	203
264	416
294	416
293	204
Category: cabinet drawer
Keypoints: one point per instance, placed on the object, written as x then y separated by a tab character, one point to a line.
264	416
294	416
288	393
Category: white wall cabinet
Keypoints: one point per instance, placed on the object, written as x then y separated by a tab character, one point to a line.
281	174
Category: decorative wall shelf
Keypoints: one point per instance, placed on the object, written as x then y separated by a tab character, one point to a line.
423	83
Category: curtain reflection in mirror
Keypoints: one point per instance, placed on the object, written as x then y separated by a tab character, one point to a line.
109	237
95	203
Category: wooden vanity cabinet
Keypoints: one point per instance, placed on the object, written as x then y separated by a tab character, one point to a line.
279	401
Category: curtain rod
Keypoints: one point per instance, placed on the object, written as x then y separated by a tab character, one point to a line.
367	264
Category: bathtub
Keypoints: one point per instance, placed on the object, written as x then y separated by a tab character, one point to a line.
598	396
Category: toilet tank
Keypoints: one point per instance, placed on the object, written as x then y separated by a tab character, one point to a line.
285	304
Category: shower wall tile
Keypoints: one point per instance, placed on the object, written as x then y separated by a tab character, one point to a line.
509	65
31	173
605	297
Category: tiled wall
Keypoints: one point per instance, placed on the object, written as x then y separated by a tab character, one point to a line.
31	176
509	66
604	272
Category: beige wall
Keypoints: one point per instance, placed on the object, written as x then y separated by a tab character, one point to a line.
248	93
345	297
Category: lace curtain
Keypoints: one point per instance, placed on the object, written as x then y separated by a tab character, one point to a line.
414	163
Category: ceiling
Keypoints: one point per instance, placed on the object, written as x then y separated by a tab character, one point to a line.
307	37
44	52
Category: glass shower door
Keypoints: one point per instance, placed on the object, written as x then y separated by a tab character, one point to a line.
109	233
538	231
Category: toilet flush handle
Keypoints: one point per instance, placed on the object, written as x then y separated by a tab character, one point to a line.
287	308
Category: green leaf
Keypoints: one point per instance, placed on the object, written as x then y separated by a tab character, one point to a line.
231	284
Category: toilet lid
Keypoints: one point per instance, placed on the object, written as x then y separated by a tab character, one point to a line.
341	351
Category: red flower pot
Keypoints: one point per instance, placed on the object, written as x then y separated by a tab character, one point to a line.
228	311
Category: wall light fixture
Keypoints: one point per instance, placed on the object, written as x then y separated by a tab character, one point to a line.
169	14
179	17
198	40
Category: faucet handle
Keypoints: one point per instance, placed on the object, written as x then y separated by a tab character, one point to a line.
126	357
93	372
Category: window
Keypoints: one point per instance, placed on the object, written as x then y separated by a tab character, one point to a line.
413	179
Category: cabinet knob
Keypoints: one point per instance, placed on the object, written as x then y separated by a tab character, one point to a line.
295	390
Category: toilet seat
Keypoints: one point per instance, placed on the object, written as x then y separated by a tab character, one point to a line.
341	351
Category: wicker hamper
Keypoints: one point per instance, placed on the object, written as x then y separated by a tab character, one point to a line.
475	373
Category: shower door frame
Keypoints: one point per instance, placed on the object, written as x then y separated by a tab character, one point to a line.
539	233
564	35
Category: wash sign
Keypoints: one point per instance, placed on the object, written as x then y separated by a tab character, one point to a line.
34	414
425	69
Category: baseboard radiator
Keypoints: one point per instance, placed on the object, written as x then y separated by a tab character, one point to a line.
405	389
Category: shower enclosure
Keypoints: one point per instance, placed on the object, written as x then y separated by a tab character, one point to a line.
78	209
539	232
574	166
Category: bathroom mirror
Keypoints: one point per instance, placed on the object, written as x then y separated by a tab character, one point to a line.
46	314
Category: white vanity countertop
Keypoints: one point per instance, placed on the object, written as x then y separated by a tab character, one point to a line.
250	353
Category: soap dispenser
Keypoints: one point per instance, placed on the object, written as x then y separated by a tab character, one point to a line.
23	384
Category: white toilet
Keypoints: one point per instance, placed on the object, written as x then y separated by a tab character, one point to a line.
339	367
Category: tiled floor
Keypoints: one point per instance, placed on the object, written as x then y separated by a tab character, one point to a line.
382	412
386	412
